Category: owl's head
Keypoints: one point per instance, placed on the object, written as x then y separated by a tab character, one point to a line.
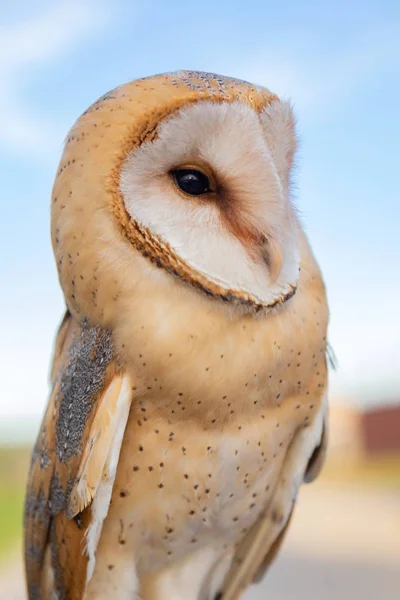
191	173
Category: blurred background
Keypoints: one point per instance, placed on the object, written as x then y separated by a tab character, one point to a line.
339	62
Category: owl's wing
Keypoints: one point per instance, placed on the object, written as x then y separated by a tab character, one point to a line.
261	544
75	456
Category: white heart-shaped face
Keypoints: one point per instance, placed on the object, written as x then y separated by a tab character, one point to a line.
243	236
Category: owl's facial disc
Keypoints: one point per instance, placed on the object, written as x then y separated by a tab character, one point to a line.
209	201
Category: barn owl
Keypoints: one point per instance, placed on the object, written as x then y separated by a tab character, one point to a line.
188	384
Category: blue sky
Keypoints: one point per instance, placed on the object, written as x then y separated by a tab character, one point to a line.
339	62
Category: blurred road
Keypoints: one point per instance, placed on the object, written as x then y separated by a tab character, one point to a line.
344	544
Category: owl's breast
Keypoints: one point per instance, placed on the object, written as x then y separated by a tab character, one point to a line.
181	484
217	403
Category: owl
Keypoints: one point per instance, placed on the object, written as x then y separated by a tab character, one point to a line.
189	376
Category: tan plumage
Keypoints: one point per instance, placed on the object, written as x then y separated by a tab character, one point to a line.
189	374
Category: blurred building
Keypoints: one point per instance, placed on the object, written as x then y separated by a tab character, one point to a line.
357	433
381	430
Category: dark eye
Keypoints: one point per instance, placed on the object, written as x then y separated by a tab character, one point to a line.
191	181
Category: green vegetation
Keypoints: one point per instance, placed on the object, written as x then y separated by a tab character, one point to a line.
11	503
13	470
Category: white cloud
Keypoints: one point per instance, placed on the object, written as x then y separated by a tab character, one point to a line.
319	83
35	44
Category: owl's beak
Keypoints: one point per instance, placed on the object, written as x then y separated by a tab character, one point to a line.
272	256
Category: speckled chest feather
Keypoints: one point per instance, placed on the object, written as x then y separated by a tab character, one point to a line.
218	404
